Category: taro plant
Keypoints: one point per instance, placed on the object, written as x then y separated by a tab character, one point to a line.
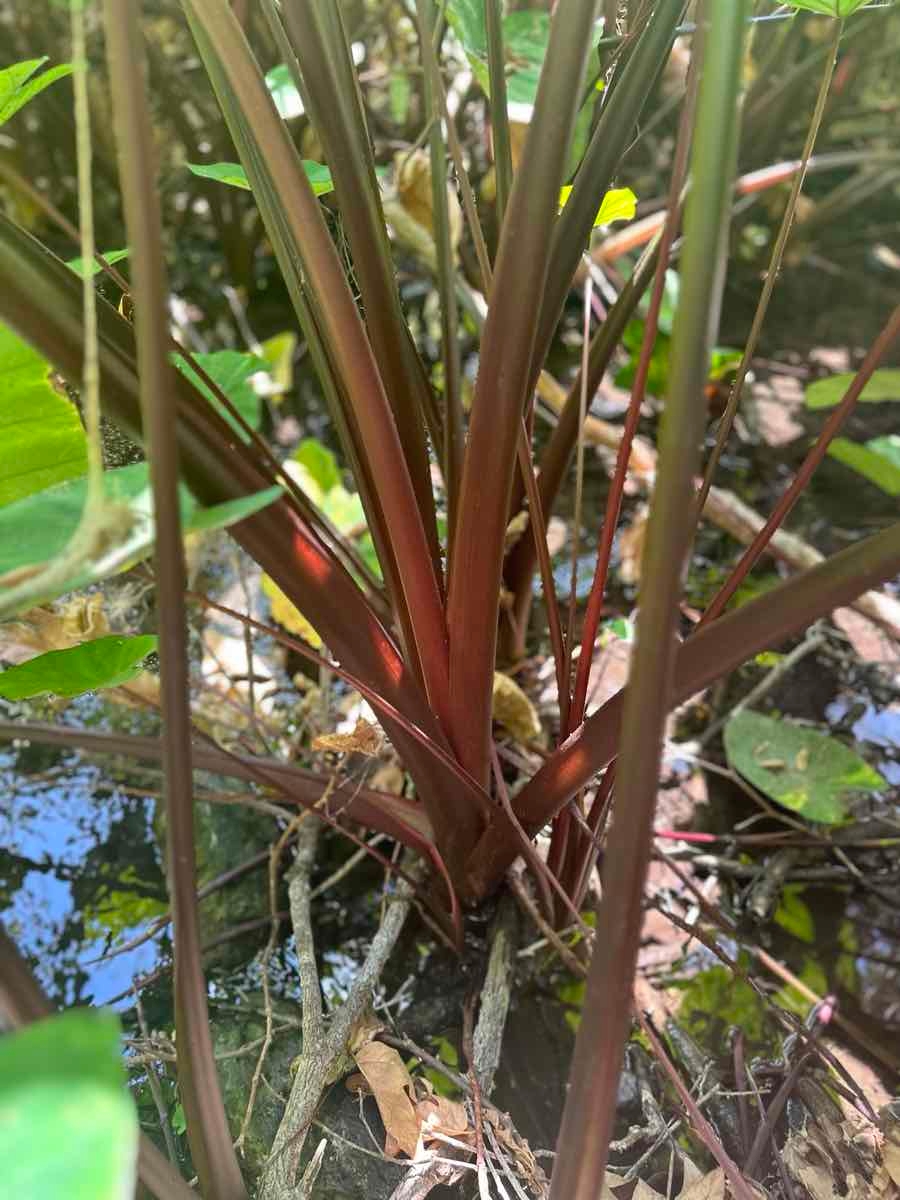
420	637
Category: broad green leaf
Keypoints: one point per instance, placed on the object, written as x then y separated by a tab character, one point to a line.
94	268
319	462
68	1127
619	204
826	393
234	174
794	915
19	84
42	441
37	529
319	177
808	772
878	460
525	37
830	8
224	172
102	663
284	92
231	371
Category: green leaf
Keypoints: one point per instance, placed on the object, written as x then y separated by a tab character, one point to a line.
278	351
525	37
68	1128
830	8
878	460
94	268
224	172
102	663
42	441
17	86
319	462
619	204
825	393
37	529
231	371
284	92
235	176
806	771
793	914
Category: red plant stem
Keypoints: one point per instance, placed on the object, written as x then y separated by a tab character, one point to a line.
538	530
377	701
706	656
638	392
208	1132
502	389
698	1123
577	884
750	556
379	441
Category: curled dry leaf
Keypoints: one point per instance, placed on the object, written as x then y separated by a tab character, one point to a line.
363	740
392	1087
440	1115
514	711
414	192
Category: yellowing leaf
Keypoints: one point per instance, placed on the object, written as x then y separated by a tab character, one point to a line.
288	615
363	740
392	1086
619	204
514	711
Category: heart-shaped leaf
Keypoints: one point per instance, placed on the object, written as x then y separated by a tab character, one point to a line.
878	460
826	393
804	770
235	176
42	441
38	528
68	1128
102	663
830	8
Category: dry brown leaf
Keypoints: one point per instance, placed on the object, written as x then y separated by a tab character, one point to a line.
514	711
363	740
631	547
808	1166
440	1115
414	192
392	1086
389	778
890	1127
710	1187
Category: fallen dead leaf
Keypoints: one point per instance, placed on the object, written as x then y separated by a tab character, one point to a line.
392	1087
514	711
710	1187
890	1127
414	192
440	1115
363	740
631	546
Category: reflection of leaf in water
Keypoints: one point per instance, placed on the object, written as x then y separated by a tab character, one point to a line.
716	999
